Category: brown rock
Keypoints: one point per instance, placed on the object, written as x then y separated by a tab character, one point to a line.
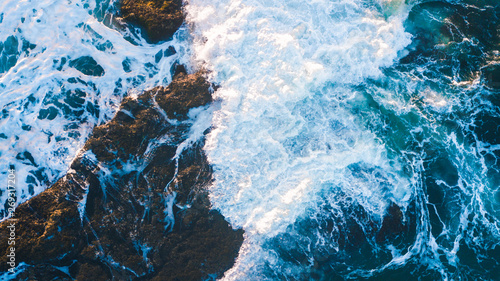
177	99
159	18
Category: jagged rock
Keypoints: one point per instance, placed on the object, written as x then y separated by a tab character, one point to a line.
176	101
159	18
146	212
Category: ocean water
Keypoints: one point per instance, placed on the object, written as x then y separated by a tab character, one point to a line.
355	139
351	139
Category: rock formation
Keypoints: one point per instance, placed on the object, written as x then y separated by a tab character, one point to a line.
159	18
133	206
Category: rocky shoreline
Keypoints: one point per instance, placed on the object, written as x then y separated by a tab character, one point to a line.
134	204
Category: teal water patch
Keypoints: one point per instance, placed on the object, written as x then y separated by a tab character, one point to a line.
87	65
11	49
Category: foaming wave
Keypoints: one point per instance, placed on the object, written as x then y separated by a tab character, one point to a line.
284	138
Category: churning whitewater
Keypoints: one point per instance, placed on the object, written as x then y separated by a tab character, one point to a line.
285	143
349	139
329	153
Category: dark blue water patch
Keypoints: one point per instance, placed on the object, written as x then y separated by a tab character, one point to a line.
412	271
118	86
37	177
103	9
426	22
343	243
26	158
451	40
137	80
492	161
71	107
487	127
5	111
72	103
478	261
76	99
445	199
126	64
479	22
296	247
49	113
8	53
10	45
60	63
170	51
151	69
158	56
11	49
31	189
75	80
133	38
87	65
93	109
29	103
32	182
437	22
490	75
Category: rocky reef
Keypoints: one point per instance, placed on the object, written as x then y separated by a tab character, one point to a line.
159	18
134	204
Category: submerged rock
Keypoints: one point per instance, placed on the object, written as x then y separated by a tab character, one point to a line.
491	76
159	18
132	207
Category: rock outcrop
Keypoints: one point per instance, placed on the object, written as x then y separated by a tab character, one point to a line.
134	205
159	18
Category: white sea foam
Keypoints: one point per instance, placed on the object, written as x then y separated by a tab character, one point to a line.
283	136
39	81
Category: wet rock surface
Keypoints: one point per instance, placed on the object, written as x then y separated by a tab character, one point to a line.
491	76
159	18
133	206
